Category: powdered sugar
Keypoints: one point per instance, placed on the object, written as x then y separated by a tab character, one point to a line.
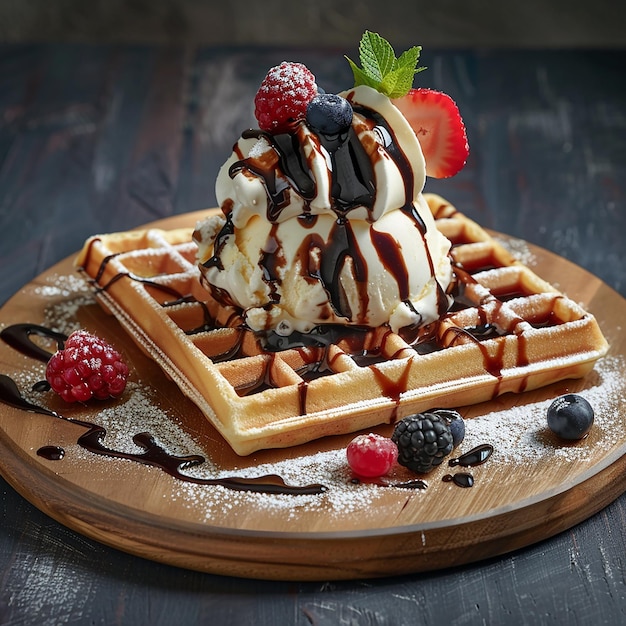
520	433
259	148
516	428
518	248
67	293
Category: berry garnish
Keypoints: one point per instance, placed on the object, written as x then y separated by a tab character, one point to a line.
436	121
570	417
371	455
423	440
283	96
329	114
87	367
455	422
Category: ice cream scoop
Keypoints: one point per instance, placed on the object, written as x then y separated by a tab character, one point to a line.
326	225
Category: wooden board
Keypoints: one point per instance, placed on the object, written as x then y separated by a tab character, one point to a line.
529	490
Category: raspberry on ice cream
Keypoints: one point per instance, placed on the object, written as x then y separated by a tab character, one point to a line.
283	96
327	229
87	367
324	223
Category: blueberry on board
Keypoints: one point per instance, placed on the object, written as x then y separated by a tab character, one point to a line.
570	417
455	422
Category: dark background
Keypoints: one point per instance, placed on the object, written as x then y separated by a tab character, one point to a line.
432	23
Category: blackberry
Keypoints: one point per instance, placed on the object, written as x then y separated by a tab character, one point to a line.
423	440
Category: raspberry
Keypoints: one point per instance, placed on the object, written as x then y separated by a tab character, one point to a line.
283	96
423	440
371	455
87	367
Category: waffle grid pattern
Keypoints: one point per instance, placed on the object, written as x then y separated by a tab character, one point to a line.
508	331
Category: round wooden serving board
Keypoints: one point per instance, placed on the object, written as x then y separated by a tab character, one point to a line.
523	494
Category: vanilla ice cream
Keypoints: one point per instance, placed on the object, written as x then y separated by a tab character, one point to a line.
314	234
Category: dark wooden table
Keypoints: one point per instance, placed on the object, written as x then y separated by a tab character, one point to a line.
107	138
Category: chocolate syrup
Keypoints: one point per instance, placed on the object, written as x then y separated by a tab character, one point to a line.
10	394
153	454
476	456
208	322
393	389
392	258
352	181
460	479
51	453
416	483
220	241
341	245
271	262
18	336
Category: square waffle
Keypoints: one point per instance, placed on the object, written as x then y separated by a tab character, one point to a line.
508	331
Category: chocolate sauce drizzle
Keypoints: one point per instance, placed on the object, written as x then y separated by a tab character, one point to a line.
153	454
472	458
476	456
422	339
19	337
52	453
460	479
353	185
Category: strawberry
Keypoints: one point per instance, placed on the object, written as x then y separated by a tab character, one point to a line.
437	123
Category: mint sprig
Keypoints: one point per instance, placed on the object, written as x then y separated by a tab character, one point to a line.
381	70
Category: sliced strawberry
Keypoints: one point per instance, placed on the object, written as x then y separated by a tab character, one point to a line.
436	121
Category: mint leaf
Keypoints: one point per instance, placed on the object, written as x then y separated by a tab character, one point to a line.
376	55
397	83
410	58
360	77
381	70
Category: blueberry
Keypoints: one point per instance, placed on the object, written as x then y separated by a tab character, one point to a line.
455	422
570	417
329	114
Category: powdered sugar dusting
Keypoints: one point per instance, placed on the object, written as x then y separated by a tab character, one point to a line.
517	430
520	433
518	248
68	293
259	148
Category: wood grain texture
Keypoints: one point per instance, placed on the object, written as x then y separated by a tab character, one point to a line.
144	512
546	131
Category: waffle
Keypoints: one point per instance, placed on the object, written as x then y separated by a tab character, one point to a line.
508	331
